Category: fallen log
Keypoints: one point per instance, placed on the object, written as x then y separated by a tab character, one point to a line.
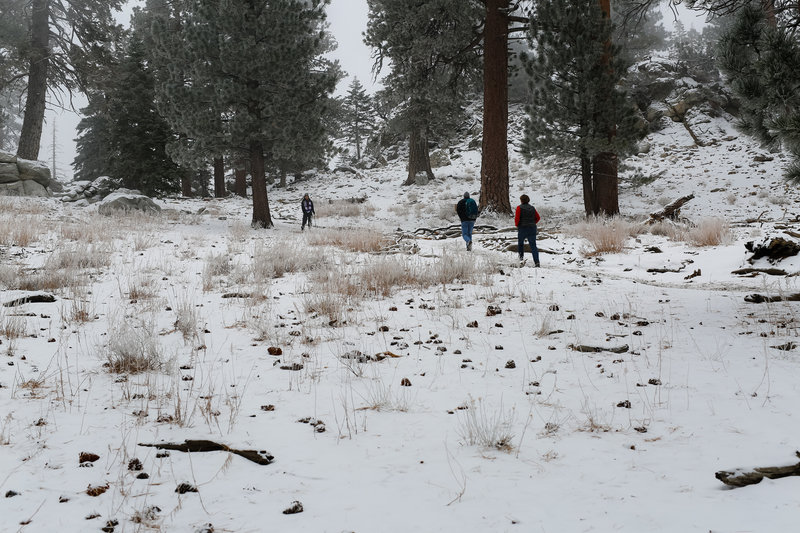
595	349
742	478
261	457
41	298
756	298
671	211
769	271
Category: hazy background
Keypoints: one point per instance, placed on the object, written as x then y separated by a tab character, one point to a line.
348	20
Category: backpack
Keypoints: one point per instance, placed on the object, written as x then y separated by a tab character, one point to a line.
472	209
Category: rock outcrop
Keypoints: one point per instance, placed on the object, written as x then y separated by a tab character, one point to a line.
20	177
127	200
89	192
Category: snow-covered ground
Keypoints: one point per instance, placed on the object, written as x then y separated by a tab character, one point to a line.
450	398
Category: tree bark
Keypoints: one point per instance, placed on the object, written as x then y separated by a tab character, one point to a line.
31	135
605	164
261	216
219	177
494	152
240	185
589	199
186	184
419	159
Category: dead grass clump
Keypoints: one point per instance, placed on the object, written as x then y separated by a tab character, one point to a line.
710	232
13	326
8	276
457	267
80	256
141	288
344	208
386	273
133	348
46	279
19	231
22	206
668	229
283	258
350	239
479	427
605	235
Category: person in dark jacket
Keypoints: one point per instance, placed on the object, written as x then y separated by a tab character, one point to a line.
308	211
467	211
525	219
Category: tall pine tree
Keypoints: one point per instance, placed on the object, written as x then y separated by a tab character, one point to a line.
358	116
433	66
577	108
239	74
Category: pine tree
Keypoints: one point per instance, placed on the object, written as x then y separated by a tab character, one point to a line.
66	42
761	58
241	75
358	116
427	43
577	108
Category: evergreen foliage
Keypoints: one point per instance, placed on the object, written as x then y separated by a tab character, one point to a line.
245	77
576	99
761	60
358	116
122	134
433	65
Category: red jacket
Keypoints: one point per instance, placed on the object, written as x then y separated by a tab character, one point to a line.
525	215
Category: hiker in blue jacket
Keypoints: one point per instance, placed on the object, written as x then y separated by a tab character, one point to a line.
467	211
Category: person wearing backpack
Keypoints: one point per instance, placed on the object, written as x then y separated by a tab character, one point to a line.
525	220
308	211
467	211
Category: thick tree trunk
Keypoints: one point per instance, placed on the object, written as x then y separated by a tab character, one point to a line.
589	199
240	185
261	216
605	168
605	164
186	184
31	135
219	177
494	153
419	160
282	183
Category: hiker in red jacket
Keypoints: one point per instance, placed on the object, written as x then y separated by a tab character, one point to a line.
525	220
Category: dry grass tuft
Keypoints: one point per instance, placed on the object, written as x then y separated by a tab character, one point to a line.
605	235
350	239
486	429
20	231
344	208
710	232
133	348
283	257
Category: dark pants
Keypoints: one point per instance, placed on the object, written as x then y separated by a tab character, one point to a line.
527	232
306	220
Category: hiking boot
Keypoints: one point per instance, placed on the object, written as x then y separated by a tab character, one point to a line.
469	246
536	265
521	262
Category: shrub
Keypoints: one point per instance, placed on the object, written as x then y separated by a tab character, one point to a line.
133	348
710	232
605	235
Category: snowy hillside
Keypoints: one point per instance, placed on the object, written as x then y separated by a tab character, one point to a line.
399	382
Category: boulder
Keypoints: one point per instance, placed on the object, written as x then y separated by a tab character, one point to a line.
37	171
12	189
126	200
8	172
6	157
32	188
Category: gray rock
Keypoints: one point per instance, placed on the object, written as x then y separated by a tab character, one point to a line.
12	189
37	171
124	200
9	172
33	188
439	158
7	157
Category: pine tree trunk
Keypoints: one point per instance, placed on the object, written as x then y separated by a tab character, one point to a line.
282	183
186	184
589	199
240	185
605	164
31	136
261	216
494	153
419	160
219	177
606	185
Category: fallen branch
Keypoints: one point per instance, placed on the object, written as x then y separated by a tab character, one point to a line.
756	298
594	349
770	271
261	457
41	298
741	478
671	211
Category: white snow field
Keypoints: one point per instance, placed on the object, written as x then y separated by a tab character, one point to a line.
419	388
